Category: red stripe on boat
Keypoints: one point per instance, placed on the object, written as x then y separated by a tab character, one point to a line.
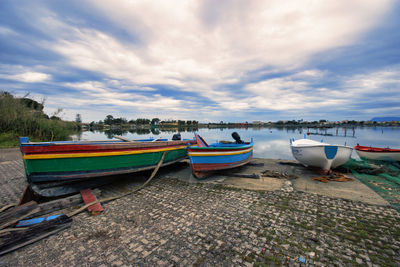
199	167
375	149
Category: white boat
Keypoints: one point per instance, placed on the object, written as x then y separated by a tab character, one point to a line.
318	154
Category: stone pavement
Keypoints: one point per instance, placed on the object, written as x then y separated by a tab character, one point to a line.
175	223
12	179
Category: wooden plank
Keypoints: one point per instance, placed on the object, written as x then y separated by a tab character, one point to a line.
17	239
59	204
89	197
27	195
17	213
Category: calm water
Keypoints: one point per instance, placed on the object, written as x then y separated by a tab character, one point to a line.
273	142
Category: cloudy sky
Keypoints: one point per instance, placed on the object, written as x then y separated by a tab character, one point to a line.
238	60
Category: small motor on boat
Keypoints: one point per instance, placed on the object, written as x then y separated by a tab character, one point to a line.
176	137
236	136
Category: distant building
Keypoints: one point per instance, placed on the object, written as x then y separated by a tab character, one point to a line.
258	123
84	126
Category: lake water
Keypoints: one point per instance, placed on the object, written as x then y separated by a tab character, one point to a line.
271	142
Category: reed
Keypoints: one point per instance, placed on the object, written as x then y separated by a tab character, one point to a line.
19	117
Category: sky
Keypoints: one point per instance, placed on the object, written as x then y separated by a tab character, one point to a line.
204	60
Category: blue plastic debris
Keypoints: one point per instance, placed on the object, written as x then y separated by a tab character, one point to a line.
24	223
302	260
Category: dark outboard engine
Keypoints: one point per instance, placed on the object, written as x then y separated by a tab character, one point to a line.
236	136
176	137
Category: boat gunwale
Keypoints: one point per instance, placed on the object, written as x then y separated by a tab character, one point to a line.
211	148
369	149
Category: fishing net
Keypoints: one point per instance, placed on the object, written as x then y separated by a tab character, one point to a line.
381	176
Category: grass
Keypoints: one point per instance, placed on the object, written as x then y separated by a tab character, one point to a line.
8	140
24	117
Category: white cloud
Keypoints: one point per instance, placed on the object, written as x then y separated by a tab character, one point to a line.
29	77
97	93
203	47
7	31
213	44
387	80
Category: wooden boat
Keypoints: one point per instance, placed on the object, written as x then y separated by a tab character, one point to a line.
205	159
318	154
55	163
376	153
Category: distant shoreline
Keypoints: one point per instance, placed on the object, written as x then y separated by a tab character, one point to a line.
148	127
264	125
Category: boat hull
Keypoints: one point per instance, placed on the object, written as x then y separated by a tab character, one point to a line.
77	161
320	155
374	153
205	160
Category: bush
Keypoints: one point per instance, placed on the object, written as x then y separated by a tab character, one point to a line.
20	119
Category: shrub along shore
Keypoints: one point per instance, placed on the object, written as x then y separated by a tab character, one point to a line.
25	117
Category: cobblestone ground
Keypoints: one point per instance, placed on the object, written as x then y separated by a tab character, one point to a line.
176	223
12	181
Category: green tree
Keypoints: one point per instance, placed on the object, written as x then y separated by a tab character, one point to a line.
109	119
78	118
155	121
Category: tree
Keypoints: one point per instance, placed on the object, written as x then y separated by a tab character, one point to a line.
109	119
55	118
78	118
155	121
143	121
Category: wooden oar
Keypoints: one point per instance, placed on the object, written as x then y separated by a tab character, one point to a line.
124	139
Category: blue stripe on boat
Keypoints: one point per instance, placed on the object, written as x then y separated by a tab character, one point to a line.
330	151
220	159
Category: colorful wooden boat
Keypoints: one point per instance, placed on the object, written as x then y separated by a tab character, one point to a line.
64	162
376	153
318	154
205	159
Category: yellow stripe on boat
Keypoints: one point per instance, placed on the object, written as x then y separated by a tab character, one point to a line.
206	154
99	154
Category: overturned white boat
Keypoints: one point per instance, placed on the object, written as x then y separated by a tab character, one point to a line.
318	154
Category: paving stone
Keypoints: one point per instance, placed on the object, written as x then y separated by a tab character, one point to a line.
175	223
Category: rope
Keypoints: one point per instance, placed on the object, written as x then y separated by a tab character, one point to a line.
7	207
122	195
